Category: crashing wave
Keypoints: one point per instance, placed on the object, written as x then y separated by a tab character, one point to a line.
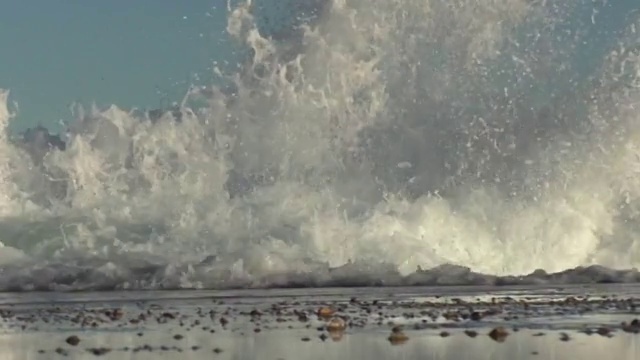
406	133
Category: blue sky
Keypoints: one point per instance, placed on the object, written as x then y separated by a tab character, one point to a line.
140	53
131	53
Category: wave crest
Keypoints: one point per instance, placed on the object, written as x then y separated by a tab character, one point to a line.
351	148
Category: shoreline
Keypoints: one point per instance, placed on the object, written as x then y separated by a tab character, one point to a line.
291	325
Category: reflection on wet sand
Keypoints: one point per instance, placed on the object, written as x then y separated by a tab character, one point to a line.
292	344
584	323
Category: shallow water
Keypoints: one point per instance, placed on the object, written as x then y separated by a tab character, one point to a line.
288	345
179	325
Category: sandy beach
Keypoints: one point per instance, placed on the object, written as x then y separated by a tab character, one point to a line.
578	322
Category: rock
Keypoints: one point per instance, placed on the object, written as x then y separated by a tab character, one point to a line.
99	351
336	324
115	314
73	340
604	331
632	327
397	337
476	316
224	321
499	334
325	312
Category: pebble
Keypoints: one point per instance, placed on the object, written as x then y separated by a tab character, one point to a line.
397	336
99	351
325	312
471	333
336	324
499	334
73	340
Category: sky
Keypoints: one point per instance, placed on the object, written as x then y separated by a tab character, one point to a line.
139	53
136	53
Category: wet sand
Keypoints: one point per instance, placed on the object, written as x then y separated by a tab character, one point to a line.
579	322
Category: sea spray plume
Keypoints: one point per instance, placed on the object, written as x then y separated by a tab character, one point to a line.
400	134
14	164
38	141
6	192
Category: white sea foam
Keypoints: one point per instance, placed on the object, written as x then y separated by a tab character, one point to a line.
369	141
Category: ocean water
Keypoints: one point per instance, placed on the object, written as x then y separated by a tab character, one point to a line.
397	143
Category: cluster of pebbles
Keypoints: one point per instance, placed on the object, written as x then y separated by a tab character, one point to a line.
494	318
